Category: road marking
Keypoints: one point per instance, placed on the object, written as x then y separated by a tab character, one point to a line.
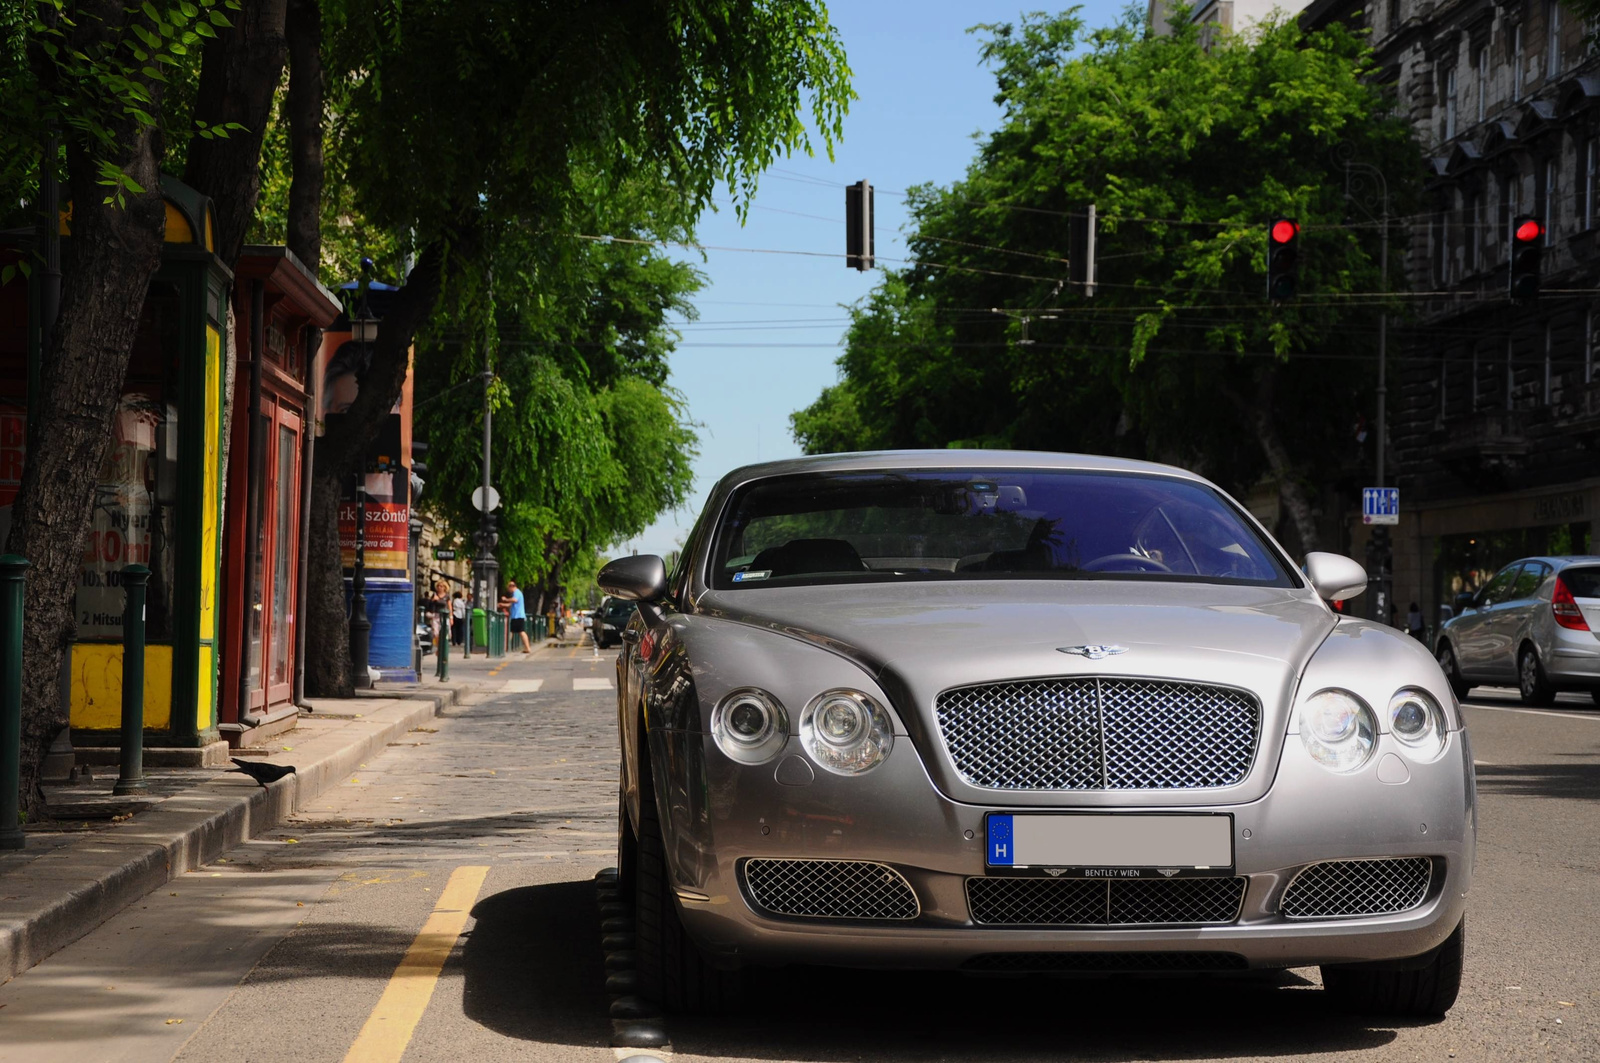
1531	712
389	1028
523	686
601	683
664	1055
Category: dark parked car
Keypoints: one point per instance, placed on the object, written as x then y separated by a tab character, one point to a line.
610	619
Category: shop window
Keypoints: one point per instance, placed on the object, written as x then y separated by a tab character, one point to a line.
1450	103
1483	83
1518	67
136	497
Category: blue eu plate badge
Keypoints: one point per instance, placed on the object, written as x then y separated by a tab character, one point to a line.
1002	847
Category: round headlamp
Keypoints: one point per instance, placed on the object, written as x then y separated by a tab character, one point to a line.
1338	729
1417	720
750	726
846	732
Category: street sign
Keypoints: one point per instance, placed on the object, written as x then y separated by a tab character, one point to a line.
477	500
442	554
1380	505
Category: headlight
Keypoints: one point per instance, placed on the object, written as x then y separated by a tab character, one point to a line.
846	732
750	726
1416	719
1337	728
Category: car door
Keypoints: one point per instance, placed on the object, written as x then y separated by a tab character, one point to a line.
1471	632
1507	618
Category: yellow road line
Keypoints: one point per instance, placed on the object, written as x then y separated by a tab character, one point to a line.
389	1028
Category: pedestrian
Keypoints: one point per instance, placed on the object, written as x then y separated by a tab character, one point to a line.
458	619
439	605
1414	625
519	614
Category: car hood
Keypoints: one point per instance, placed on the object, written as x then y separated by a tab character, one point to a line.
917	639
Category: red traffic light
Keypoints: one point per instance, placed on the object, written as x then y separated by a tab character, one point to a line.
1284	230
1528	230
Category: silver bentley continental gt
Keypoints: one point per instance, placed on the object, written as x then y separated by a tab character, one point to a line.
1017	712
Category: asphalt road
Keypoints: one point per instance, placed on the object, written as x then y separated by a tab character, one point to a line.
469	851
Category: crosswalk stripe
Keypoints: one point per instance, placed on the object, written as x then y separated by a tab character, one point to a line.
389	1028
601	683
523	686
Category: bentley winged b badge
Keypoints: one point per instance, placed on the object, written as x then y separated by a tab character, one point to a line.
1094	653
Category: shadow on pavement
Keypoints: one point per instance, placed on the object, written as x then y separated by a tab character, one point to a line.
533	965
1541	780
834	1015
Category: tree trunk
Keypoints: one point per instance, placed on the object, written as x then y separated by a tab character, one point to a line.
239	74
1290	490
106	274
304	107
338	455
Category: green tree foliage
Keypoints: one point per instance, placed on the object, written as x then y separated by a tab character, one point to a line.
1187	154
590	444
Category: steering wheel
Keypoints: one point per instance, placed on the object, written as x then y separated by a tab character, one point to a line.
1115	563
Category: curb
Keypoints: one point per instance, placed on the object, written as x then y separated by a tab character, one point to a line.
62	896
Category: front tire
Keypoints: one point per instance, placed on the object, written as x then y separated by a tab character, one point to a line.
1532	683
672	972
1452	672
1425	992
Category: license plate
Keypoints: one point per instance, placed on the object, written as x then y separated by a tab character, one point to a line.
1120	845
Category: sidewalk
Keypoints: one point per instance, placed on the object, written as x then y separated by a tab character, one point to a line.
75	874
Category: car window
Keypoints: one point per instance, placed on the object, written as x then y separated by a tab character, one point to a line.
1582	582
1498	588
1528	579
897	525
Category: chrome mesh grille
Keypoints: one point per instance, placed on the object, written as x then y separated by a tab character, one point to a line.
1095	733
1026	901
830	889
1358	887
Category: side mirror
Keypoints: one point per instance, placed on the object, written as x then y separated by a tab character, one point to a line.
1334	576
642	578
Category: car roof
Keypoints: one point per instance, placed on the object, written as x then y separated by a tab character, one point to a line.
866	461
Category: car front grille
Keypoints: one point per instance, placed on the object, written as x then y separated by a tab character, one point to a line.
1358	887
830	889
1098	733
1027	901
1095	962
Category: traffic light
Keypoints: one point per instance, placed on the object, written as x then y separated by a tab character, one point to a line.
858	241
1080	250
1283	259
1527	236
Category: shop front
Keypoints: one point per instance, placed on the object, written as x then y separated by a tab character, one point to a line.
158	500
279	310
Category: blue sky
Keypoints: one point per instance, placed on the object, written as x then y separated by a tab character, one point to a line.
770	324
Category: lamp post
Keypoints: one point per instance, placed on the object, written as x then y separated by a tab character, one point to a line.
364	330
1366	187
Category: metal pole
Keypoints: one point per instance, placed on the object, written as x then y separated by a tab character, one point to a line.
308	449
255	451
1383	348
12	572
360	626
130	778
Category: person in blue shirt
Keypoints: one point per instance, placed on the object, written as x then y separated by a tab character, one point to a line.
519	615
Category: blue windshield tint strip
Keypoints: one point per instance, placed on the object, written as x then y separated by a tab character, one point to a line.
1002	852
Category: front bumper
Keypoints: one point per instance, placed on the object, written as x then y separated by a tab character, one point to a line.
894	815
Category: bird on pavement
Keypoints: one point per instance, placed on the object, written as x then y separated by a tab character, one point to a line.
262	772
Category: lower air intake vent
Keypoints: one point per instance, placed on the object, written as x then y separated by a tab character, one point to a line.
1358	887
1006	901
1006	962
830	889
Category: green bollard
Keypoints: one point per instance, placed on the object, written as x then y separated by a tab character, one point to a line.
12	570
130	779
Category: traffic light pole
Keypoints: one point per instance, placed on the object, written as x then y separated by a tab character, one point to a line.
485	583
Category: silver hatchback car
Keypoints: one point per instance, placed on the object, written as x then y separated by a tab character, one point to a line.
1016	712
1534	624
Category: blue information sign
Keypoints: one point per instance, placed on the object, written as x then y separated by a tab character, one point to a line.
1380	505
1001	850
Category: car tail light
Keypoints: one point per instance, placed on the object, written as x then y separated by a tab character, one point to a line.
1565	607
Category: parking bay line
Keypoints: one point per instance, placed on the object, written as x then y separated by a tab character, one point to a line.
1530	712
388	1030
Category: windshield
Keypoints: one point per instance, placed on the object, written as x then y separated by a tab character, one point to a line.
928	524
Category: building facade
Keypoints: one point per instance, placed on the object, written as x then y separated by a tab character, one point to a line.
1494	419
